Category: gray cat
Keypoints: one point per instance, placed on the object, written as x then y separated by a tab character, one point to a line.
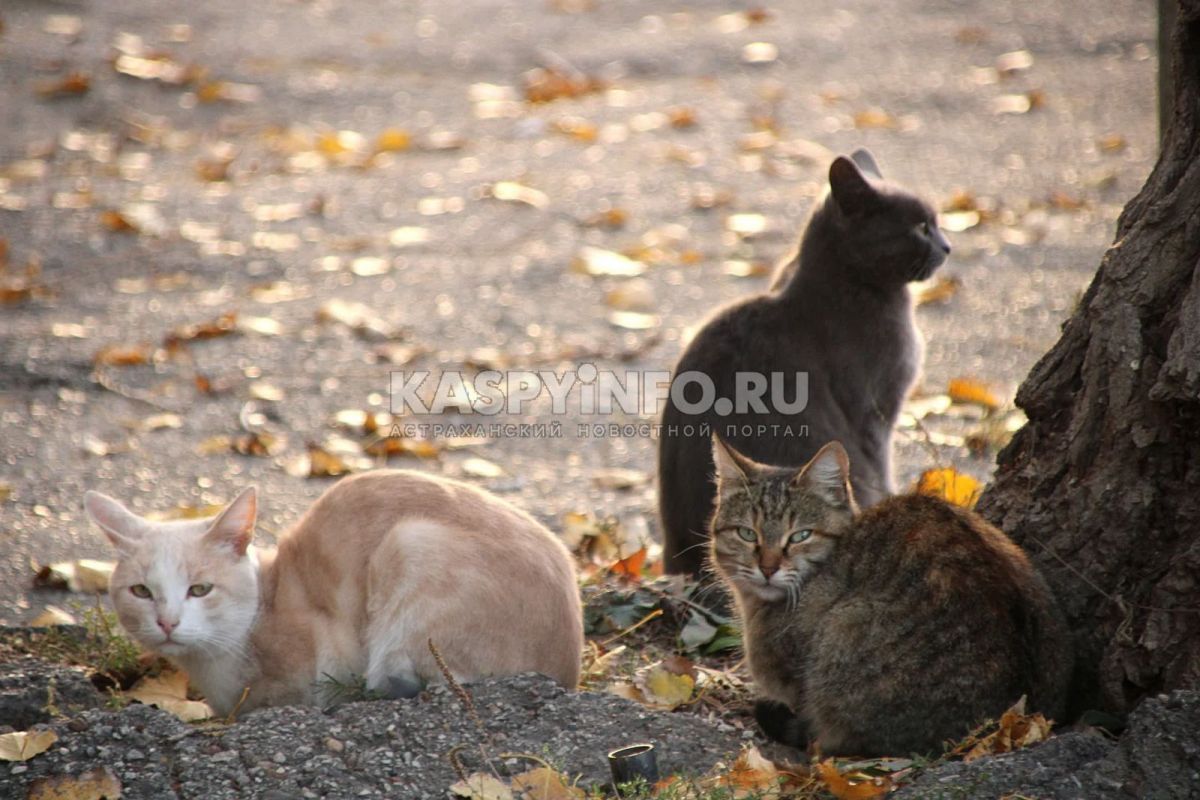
840	311
882	633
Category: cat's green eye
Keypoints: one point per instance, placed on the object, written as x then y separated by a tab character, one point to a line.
747	534
199	589
140	590
800	536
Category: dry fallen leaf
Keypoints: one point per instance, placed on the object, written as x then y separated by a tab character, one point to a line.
168	691
482	468
481	786
969	390
85	575
100	783
874	118
24	745
950	485
51	616
122	355
633	320
843	788
543	783
750	773
665	689
544	85
597	261
70	85
937	290
619	478
1015	730
518	193
633	295
358	317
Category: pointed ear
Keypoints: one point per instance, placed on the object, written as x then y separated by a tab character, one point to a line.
234	527
866	162
828	474
850	188
122	527
731	465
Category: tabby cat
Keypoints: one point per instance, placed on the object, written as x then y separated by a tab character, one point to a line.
840	311
382	564
886	632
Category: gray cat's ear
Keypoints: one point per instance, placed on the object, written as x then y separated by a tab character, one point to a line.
235	525
866	162
828	474
851	190
122	527
731	465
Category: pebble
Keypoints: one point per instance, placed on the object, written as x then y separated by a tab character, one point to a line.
134	755
334	745
279	758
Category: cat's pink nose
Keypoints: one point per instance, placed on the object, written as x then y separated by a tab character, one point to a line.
768	570
166	626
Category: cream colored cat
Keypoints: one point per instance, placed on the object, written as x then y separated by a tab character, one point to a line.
380	565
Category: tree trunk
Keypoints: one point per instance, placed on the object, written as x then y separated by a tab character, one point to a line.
1102	486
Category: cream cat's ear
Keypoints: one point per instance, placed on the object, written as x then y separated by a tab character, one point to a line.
828	473
234	527
122	527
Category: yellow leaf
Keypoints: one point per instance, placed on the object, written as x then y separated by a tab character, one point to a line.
95	784
51	616
969	390
633	320
843	789
950	485
393	140
481	786
168	691
666	689
936	290
544	784
24	745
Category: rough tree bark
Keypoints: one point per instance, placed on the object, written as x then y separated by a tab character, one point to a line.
1102	486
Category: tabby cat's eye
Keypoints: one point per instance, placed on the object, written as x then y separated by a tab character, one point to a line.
140	590
800	536
199	589
747	534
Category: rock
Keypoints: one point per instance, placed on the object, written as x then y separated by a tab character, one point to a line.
29	687
1158	757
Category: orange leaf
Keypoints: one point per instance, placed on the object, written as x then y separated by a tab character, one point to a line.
631	566
968	390
843	789
122	356
950	485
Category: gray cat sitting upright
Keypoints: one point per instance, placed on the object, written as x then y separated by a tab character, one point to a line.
840	311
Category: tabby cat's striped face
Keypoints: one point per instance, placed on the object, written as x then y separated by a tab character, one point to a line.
773	527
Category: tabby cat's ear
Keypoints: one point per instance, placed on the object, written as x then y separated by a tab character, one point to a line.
731	465
851	190
235	525
122	527
828	474
866	162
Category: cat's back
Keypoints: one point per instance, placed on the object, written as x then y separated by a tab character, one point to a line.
425	520
748	332
949	550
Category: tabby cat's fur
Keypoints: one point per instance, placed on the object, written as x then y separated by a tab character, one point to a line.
882	633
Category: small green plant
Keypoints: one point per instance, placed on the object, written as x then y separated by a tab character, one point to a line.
336	691
100	645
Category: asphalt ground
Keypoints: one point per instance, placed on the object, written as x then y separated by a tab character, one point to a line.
202	173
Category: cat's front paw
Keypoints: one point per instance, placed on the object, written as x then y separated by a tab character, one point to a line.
779	723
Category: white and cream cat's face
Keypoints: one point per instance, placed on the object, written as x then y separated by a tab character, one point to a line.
185	588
